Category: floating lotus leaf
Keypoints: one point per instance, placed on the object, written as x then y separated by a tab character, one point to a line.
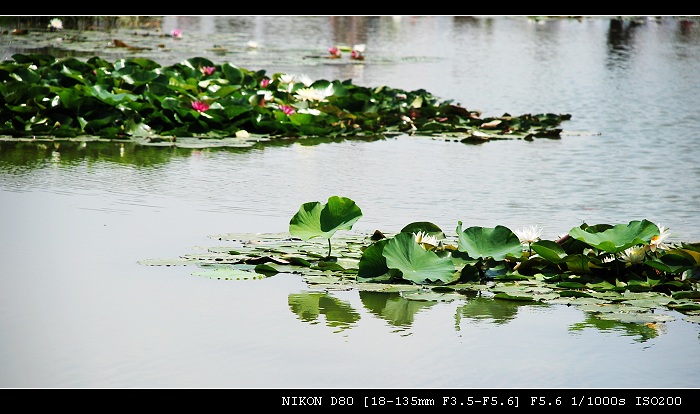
672	262
636	318
166	262
481	242
523	297
618	238
228	273
432	296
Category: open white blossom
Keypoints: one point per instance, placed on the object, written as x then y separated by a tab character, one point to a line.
633	255
608	259
267	95
55	24
529	235
657	242
287	78
304	79
313	94
424	239
359	48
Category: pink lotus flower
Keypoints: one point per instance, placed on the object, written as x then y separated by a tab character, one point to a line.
207	70
264	82
335	52
199	106
176	33
356	55
288	110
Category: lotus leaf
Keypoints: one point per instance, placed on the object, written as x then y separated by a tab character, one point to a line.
322	220
481	242
618	238
416	264
426	227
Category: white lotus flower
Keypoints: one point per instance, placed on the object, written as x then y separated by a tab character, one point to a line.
529	235
359	48
633	255
657	242
313	94
424	239
608	259
266	95
304	79
287	78
55	24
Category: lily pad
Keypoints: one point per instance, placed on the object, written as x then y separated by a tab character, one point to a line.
416	264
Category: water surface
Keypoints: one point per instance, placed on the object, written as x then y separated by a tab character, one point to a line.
77	310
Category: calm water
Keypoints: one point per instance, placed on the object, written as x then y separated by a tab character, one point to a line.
77	310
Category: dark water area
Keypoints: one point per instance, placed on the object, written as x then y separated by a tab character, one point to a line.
77	310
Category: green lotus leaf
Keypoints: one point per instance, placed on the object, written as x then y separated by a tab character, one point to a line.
424	226
549	250
692	294
316	220
372	263
232	73
481	242
322	220
671	263
523	297
417	264
111	98
618	238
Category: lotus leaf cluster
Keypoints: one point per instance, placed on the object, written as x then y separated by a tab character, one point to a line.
632	265
42	96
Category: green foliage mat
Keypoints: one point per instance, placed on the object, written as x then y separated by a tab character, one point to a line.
259	256
138	99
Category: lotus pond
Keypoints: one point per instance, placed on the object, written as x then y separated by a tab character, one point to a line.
156	245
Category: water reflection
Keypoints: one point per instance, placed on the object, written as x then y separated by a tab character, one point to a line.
621	40
638	332
393	307
310	306
400	312
31	154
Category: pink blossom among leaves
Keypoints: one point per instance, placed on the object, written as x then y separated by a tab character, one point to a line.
199	106
288	110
